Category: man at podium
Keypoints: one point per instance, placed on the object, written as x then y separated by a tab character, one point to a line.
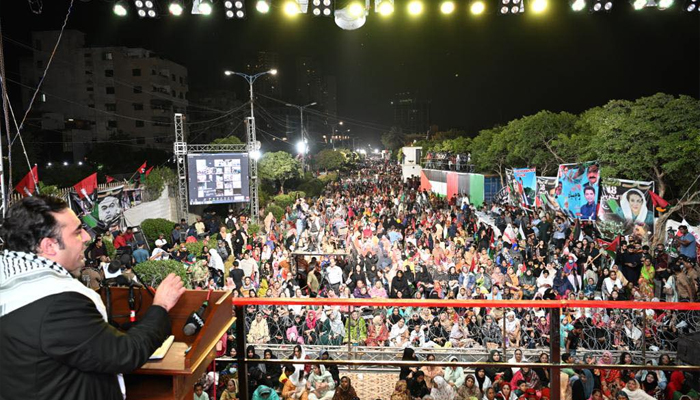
54	337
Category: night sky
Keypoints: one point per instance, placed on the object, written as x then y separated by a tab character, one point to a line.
477	72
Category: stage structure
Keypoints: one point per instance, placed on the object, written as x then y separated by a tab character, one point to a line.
204	153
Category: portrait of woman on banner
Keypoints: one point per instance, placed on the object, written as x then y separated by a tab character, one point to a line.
633	209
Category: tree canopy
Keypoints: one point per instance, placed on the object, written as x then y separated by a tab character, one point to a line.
278	167
328	159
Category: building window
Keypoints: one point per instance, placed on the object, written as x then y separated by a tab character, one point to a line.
107	56
138	106
111	107
111	124
181	80
109	90
140	124
136	72
138	89
90	89
109	73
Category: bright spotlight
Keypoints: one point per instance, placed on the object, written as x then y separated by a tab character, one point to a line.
477	8
120	8
512	7
539	6
255	154
65	163
205	7
352	16
234	9
578	5
384	7
415	7
692	5
301	147
664	4
447	7
356	9
291	8
273	71
321	8
263	6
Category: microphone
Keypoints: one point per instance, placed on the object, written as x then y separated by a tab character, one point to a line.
195	322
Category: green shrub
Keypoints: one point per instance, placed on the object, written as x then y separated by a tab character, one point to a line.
156	180
154	271
195	248
313	187
329	177
296	194
276	210
283	200
253	229
155	226
111	251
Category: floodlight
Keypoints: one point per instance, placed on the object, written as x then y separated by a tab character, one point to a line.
263	6
447	7
302	147
204	7
539	6
291	8
145	8
351	16
384	7
255	155
578	5
692	5
641	4
121	8
664	4
601	5
235	9
477	7
415	7
273	72
512	7
175	8
322	8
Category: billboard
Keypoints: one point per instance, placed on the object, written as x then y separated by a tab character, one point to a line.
525	185
577	190
625	208
216	178
103	210
546	198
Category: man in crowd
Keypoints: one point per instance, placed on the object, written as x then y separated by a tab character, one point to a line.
54	330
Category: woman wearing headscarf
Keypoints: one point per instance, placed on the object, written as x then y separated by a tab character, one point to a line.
561	284
264	392
454	375
505	373
320	384
483	381
259	332
608	375
441	389
675	384
309	330
650	383
407	373
417	385
273	371
469	390
401	391
400	284
529	376
507	392
294	387
277	329
378	333
634	392
431	371
512	329
345	391
298	356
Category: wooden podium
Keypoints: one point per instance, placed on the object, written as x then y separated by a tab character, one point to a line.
174	376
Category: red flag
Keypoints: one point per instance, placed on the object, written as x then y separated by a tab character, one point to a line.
87	186
109	178
142	168
149	171
610	247
659	203
27	185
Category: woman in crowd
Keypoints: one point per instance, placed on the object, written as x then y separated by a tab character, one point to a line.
378	333
469	390
401	391
482	379
320	384
441	389
417	386
454	376
294	387
407	373
431	371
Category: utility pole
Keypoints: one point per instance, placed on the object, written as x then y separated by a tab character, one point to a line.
302	147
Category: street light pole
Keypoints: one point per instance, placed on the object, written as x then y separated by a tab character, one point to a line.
303	146
253	147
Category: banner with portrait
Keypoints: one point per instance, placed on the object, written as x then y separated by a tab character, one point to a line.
101	211
545	193
625	208
577	189
526	186
511	184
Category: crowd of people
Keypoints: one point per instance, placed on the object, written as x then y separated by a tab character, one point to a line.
371	235
448	161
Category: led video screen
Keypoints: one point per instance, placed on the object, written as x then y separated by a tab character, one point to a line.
216	178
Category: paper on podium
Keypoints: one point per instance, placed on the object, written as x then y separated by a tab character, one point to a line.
163	349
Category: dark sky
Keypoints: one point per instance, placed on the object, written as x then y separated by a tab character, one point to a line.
477	71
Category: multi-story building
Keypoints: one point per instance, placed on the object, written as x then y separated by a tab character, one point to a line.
93	94
411	113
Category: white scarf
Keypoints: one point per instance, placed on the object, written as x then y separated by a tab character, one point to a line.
27	277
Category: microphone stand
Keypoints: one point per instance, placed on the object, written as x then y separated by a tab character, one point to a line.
148	288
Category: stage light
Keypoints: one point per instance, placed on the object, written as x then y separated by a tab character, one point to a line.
351	17
204	7
121	8
578	5
273	72
601	5
692	5
512	7
291	8
235	9
322	8
664	4
477	7
447	7
145	8
384	7
255	154
415	7
175	8
302	147
539	6
263	6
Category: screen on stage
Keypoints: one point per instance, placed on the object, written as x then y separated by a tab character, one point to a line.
216	178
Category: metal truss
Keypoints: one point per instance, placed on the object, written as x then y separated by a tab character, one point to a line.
180	150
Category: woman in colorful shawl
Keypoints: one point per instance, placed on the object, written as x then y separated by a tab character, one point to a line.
401	391
345	391
469	390
378	333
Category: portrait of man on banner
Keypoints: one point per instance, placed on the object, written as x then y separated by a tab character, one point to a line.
578	189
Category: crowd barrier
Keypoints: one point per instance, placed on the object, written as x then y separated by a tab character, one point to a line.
368	357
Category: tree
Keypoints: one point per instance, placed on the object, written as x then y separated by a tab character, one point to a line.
652	138
394	139
278	167
227	140
489	151
456	146
328	159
